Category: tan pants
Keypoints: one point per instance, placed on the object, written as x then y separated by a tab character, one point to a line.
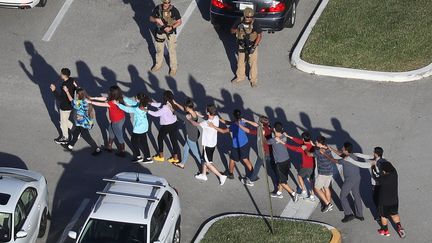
172	43
65	123
253	64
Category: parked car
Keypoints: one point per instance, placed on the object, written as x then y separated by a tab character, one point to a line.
133	207
272	15
23	205
22	4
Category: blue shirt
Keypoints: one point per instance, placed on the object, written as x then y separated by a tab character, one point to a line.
140	122
239	137
82	117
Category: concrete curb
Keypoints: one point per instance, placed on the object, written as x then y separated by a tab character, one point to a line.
336	236
341	72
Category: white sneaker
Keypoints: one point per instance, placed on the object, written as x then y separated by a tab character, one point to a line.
247	182
304	194
201	177
311	198
278	194
295	196
222	179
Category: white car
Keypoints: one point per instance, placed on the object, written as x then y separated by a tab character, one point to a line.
23	205
22	4
133	208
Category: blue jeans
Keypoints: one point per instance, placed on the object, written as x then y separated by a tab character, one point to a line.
115	130
192	146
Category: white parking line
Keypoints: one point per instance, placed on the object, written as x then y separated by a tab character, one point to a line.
57	20
73	220
185	18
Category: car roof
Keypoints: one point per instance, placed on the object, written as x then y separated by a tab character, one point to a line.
129	197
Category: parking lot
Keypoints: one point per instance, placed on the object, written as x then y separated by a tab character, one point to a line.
106	42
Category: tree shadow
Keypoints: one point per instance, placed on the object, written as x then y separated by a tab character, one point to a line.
42	75
10	160
81	178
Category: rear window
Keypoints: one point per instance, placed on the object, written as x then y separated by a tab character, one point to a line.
4	198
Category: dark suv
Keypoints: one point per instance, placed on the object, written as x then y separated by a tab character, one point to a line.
271	15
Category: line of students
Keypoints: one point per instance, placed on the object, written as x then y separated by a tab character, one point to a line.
275	147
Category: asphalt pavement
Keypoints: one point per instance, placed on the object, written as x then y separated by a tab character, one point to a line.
106	42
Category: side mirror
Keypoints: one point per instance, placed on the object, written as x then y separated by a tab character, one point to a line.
72	235
21	234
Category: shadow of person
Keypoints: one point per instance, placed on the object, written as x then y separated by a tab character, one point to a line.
10	160
43	74
199	94
230	45
81	178
143	11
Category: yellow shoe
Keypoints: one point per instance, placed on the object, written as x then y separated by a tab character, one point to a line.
172	160
158	158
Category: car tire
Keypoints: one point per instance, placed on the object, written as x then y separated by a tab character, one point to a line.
43	224
42	3
289	23
177	233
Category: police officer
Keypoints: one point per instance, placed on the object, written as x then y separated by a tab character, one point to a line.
248	34
167	18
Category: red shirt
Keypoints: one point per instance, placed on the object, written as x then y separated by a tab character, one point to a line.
307	162
114	112
267	134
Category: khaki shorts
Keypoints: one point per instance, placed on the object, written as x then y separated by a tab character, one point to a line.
323	181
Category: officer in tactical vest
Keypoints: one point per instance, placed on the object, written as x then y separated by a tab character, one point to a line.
248	34
167	18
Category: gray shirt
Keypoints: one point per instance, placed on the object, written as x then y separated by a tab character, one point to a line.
192	131
280	152
350	171
324	165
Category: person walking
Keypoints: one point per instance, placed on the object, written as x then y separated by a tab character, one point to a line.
140	127
65	106
209	142
388	201
240	144
84	120
192	132
168	122
116	117
167	19
248	34
281	158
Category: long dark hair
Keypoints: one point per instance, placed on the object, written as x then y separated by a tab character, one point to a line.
81	95
168	97
143	100
115	93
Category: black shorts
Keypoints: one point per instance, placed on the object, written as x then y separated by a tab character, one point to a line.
238	154
306	173
283	171
388	210
208	154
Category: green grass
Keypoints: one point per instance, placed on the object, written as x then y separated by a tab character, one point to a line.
378	35
251	229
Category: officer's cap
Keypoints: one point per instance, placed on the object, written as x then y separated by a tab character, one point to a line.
248	12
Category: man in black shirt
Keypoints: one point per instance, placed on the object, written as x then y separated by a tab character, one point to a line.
167	18
64	105
248	33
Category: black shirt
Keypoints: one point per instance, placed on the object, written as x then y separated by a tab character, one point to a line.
61	96
388	193
157	13
256	27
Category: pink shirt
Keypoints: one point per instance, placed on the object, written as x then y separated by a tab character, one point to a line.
165	114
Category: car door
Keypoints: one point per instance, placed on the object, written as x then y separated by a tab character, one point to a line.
162	223
26	216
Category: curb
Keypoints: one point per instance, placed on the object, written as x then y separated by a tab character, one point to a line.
336	236
341	72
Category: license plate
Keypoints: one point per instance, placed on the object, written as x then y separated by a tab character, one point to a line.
243	6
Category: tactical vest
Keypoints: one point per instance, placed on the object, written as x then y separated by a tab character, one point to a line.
245	31
166	16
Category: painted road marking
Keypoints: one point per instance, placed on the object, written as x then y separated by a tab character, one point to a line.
73	220
57	20
186	16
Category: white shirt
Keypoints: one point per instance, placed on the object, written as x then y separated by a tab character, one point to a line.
209	135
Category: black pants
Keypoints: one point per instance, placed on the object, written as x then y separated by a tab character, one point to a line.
139	141
85	134
170	130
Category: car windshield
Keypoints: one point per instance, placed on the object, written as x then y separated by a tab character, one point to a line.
102	231
5	227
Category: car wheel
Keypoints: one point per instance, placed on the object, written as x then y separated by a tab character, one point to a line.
291	20
177	233
42	3
43	224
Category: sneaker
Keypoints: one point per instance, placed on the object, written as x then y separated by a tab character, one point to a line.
108	149
384	232
229	175
347	218
67	147
360	218
172	160
247	182
277	194
327	208
295	196
148	160
158	158
304	194
401	231
61	140
138	159
222	179
311	198
97	151
201	177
